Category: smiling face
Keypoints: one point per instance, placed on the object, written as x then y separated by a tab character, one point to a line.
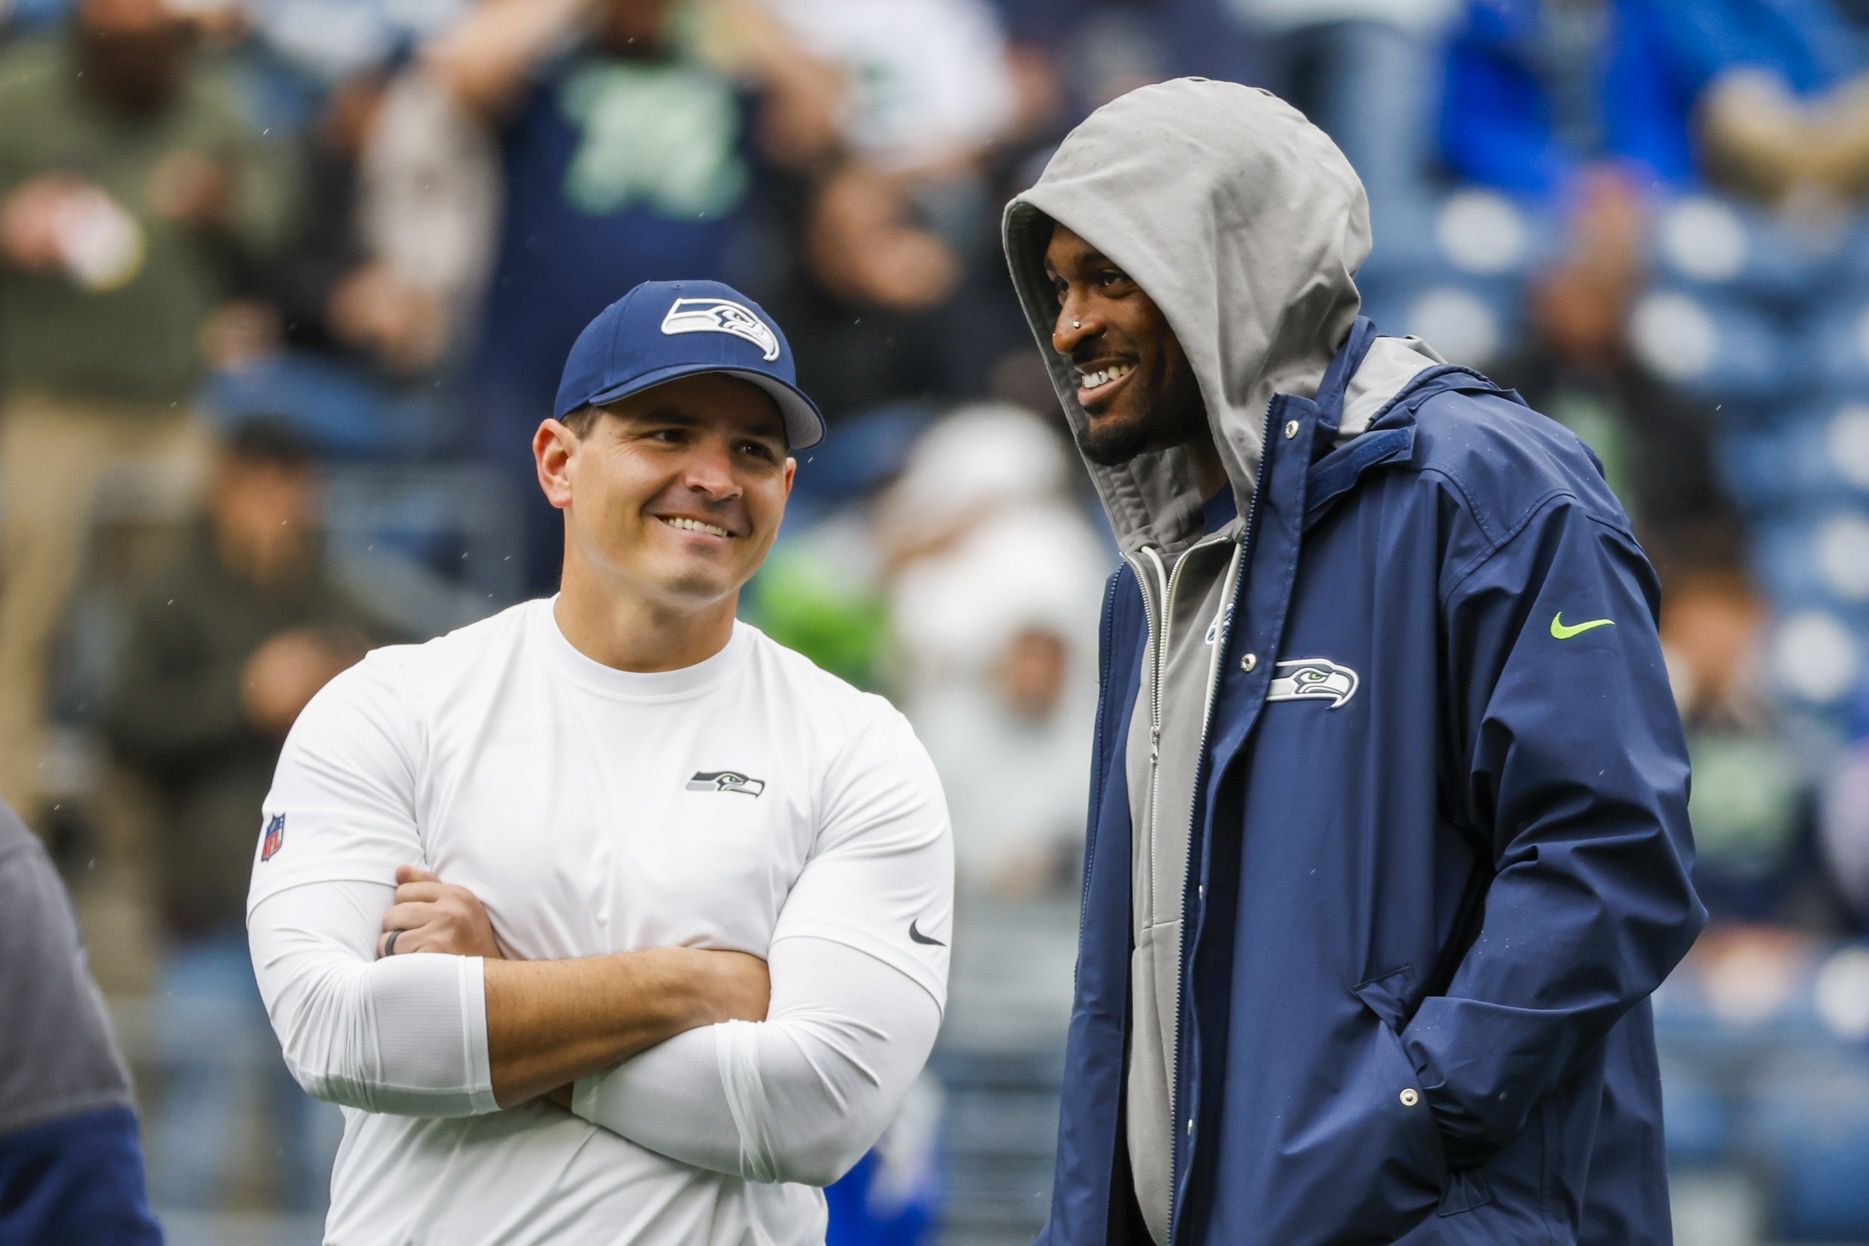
1133	379
672	496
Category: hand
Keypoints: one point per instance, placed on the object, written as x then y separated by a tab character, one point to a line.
284	673
189	187
31	219
432	916
373	309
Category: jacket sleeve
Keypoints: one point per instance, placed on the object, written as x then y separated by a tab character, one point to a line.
1575	779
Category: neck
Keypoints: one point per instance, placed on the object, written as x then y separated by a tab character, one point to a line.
629	633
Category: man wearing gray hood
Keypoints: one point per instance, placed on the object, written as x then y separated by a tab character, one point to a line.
1388	841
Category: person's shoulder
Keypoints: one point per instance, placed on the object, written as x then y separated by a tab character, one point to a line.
1504	461
417	669
826	706
814	687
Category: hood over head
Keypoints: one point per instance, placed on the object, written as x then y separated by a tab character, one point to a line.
1244	224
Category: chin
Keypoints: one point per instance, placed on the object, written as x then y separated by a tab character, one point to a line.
695	587
1113	439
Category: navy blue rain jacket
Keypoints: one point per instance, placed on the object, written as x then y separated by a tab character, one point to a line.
1442	855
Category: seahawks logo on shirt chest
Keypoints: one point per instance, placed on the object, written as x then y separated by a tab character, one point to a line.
725	781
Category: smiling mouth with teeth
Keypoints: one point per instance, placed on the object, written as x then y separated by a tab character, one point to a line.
1104	376
695	525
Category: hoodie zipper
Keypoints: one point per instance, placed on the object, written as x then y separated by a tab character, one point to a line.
1157	657
1176	1126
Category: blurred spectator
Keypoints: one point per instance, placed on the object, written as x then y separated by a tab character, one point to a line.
868	305
626	155
1578	367
221	651
71	1169
929	84
1364	71
131	196
1752	801
1105	48
1538	89
335	294
993	571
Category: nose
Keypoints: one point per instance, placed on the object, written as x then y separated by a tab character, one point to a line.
1076	321
708	470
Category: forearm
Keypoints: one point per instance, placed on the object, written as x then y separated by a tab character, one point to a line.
800	1097
552	1022
438	1035
485	58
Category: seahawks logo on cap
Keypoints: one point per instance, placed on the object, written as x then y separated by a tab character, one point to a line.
725	781
721	316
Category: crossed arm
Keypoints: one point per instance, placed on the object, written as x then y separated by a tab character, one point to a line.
458	1031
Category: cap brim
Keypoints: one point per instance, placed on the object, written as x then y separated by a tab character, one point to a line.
804	424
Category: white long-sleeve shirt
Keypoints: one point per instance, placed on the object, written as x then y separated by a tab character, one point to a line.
749	802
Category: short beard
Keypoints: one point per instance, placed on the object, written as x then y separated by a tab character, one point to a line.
1114	444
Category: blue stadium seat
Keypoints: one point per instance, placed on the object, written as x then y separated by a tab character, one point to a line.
1816	658
1715	346
1800	456
1812	1121
1472	322
1715	246
1474	233
1834	335
345	414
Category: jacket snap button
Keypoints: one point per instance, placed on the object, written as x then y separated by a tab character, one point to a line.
1291	429
1410	1097
1249	661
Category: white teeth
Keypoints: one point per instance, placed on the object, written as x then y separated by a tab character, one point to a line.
1103	376
695	525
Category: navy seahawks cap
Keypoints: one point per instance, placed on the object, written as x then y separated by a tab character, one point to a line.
662	331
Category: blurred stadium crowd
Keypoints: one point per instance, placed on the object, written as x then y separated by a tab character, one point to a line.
285	285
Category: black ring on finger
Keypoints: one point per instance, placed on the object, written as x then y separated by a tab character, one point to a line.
389	944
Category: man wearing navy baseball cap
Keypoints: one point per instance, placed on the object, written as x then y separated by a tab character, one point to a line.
614	919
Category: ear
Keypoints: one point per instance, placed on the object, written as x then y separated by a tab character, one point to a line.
553	447
791	472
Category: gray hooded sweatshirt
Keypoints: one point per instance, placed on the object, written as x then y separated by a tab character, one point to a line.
1244	224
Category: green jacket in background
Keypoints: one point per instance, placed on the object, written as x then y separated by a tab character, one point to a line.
135	337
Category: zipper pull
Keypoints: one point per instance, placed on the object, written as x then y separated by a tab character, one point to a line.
1155	744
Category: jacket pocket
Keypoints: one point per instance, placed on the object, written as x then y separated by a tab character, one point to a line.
1385	997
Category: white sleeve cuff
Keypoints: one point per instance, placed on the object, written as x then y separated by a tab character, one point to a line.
404	1035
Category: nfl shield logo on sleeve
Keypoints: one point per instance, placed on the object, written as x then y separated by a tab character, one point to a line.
275	837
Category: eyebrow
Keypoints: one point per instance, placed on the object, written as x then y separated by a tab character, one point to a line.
1089	258
675	415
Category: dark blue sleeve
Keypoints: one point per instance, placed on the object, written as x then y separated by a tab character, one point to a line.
1576	772
75	1179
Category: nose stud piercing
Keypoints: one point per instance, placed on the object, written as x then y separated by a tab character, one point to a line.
1077	324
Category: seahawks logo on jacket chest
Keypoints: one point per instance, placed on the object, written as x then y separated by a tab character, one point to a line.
1308	679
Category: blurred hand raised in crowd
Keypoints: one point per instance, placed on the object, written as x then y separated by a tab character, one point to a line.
240	332
30	218
287	670
188	187
375	310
